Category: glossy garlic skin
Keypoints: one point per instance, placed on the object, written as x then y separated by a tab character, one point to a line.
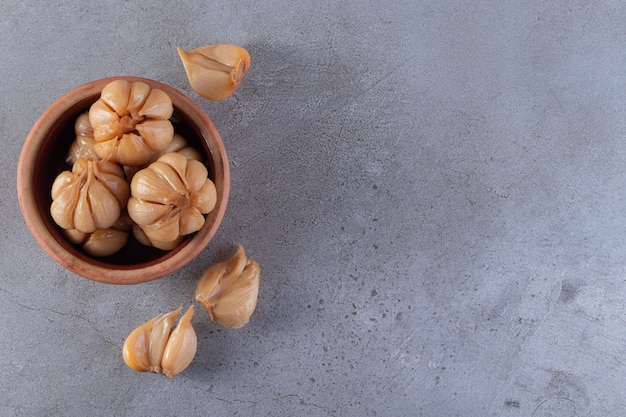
84	145
130	122
102	242
142	238
155	347
170	197
91	196
215	71
181	346
229	290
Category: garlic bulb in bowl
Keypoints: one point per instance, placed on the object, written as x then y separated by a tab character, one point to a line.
130	122
44	156
91	196
170	197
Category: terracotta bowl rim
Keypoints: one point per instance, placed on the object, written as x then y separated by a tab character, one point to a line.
92	268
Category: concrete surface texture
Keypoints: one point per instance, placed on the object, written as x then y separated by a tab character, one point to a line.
434	191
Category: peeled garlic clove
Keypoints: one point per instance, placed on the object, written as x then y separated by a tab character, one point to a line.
113	183
176	165
65	194
156	134
159	336
158	105
116	95
165	230
105	208
158	183
170	177
105	174
136	348
84	144
195	175
74	236
82	127
190	152
83	217
139	92
145	212
142	238
105	242
181	346
64	180
130	149
206	198
215	71
229	290
104	121
191	220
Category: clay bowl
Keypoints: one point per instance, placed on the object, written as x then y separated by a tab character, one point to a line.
43	158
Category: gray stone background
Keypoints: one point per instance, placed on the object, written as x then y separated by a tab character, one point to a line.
433	190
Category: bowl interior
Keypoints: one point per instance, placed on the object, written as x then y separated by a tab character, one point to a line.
50	161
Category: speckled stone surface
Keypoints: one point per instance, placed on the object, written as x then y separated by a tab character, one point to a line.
433	190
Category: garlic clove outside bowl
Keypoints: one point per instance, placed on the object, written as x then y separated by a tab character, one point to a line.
43	158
